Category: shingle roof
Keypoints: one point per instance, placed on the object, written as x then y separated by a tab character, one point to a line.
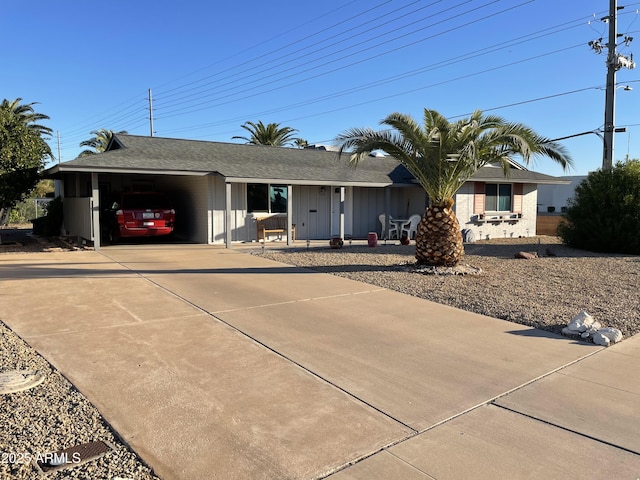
494	174
237	162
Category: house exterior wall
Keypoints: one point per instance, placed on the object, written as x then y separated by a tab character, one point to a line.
77	217
348	212
414	201
368	203
467	198
557	196
312	211
243	225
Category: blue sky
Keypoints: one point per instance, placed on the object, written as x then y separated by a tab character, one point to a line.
319	67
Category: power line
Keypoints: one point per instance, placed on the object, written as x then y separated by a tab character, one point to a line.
182	111
253	47
366	24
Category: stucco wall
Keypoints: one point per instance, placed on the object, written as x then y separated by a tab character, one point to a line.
523	227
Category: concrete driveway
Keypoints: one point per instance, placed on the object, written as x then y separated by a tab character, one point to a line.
212	363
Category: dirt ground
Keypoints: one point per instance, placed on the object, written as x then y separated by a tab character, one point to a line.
20	239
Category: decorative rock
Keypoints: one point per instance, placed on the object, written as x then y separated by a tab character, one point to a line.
568	331
613	334
583	319
595	327
600	339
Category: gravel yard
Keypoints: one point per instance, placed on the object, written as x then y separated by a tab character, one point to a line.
546	292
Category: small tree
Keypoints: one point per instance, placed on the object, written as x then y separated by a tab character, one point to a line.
23	153
604	214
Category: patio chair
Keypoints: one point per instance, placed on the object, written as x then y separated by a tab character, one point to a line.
393	229
411	226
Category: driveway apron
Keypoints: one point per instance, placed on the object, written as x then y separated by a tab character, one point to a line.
213	362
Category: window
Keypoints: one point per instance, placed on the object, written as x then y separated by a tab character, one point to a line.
498	197
278	199
262	197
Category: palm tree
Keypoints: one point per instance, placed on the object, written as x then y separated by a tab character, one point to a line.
271	134
301	143
442	156
99	141
27	115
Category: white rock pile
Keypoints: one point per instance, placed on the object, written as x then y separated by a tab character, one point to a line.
586	326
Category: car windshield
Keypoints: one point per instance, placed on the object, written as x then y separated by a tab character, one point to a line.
146	201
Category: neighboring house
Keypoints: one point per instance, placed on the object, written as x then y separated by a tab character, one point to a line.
556	197
219	189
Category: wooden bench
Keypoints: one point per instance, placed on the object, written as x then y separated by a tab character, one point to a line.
275	224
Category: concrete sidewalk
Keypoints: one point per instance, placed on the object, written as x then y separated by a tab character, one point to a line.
214	363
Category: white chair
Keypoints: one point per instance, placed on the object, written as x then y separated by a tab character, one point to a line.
411	226
393	229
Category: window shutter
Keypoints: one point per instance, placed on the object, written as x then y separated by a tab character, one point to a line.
517	198
478	197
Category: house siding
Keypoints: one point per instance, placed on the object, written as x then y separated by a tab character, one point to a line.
312	212
243	227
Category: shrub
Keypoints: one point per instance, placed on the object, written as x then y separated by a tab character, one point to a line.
604	214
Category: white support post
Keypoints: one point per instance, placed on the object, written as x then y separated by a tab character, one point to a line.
227	217
289	215
387	209
95	211
341	227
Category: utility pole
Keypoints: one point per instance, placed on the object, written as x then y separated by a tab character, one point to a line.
610	95
614	63
150	114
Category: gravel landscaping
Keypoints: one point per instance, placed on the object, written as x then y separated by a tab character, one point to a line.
544	292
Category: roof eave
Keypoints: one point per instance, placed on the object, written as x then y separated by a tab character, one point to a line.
58	169
328	183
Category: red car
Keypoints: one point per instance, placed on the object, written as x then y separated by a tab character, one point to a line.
140	214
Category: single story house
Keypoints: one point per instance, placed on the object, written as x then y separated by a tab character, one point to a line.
220	189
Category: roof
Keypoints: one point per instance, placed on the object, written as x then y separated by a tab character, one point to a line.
516	175
256	163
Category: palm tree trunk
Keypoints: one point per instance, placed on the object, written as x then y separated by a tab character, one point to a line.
439	239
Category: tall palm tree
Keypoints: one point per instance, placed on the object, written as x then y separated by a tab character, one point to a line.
27	115
271	134
442	156
98	142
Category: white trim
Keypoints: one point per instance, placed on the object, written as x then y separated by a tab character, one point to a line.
325	183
